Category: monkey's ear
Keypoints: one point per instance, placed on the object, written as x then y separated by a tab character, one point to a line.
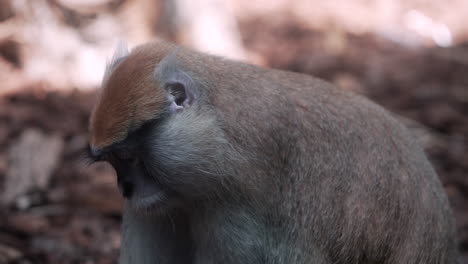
179	85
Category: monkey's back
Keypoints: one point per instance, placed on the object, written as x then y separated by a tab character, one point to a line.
347	181
359	184
388	203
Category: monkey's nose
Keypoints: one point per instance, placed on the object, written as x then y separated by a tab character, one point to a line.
126	188
95	152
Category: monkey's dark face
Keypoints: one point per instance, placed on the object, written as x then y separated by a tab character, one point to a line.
169	162
152	126
137	177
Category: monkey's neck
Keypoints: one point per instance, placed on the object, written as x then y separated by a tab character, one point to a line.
138	245
154	239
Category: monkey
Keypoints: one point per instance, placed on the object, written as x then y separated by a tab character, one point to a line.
222	161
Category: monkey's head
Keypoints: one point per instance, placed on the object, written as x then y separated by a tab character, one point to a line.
152	126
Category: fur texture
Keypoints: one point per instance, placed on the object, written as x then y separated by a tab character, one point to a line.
267	166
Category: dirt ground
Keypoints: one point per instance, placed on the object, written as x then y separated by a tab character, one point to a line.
74	216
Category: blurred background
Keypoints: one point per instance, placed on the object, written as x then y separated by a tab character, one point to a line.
410	56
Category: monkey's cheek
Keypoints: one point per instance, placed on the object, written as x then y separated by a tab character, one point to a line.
147	194
144	204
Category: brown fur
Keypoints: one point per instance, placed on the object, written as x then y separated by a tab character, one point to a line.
129	98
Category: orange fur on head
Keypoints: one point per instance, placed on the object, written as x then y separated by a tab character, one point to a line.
130	96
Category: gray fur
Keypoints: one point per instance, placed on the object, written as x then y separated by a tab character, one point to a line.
277	167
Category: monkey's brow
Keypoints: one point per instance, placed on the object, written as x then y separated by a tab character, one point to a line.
124	144
88	155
